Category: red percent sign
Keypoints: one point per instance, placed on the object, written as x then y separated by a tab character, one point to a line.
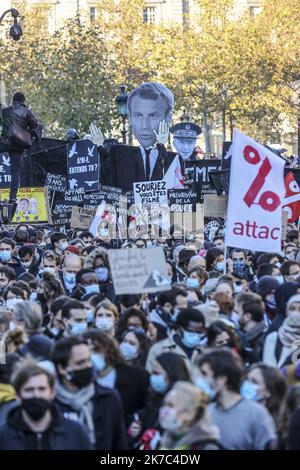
269	201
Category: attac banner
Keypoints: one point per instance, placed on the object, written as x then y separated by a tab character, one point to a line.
137	271
83	165
256	194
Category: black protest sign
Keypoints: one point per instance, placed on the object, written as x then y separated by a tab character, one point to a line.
61	213
226	155
199	171
58	183
74	195
83	165
5	176
182	200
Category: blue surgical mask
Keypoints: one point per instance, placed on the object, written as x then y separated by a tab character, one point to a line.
249	390
220	266
63	245
98	361
33	296
5	255
191	339
175	314
69	278
192	283
102	273
92	289
90	315
237	288
238	265
128	351
205	387
158	383
280	279
79	328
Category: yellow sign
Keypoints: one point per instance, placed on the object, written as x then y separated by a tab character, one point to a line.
32	205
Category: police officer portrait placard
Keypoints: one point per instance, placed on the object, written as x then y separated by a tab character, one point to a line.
83	165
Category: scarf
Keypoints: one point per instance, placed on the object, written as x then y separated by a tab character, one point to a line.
79	401
7	393
289	332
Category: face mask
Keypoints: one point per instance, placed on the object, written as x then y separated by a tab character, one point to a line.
237	288
271	303
69	278
78	328
5	255
57	333
203	385
238	265
90	316
11	303
280	279
92	289
278	265
36	407
62	246
128	351
26	264
175	314
82	378
49	269
12	325
220	266
168	419
102	274
192	283
249	390
98	362
33	297
148	243
158	383
191	339
104	324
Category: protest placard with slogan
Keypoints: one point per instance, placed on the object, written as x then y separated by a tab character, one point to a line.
256	193
182	200
83	165
215	206
57	183
81	217
137	271
32	205
5	177
199	172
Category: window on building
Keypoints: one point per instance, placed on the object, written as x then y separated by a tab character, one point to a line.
255	10
93	14
149	15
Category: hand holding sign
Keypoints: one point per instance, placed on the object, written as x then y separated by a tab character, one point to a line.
96	134
163	132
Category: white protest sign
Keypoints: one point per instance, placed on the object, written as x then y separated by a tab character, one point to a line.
135	271
151	202
256	194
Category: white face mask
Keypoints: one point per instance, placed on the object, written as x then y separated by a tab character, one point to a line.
11	303
168	419
104	324
49	269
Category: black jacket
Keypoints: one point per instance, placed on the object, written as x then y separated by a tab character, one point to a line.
17	113
16	265
124	166
108	419
63	434
132	383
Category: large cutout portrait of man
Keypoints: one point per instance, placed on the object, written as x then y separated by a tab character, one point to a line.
150	108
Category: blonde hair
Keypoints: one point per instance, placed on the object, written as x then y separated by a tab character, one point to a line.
191	397
109	306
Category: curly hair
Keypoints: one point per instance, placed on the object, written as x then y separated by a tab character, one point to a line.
89	262
107	345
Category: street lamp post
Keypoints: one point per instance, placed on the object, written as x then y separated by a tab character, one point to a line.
15	31
121	101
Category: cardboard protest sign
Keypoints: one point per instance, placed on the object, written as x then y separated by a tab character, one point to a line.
256	194
32	205
182	200
81	217
56	183
135	271
199	171
215	206
83	165
5	176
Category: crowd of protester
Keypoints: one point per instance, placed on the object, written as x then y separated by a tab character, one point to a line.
211	364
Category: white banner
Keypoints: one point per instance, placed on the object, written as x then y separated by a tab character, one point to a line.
256	194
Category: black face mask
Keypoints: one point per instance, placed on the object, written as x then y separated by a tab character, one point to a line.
82	377
36	407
